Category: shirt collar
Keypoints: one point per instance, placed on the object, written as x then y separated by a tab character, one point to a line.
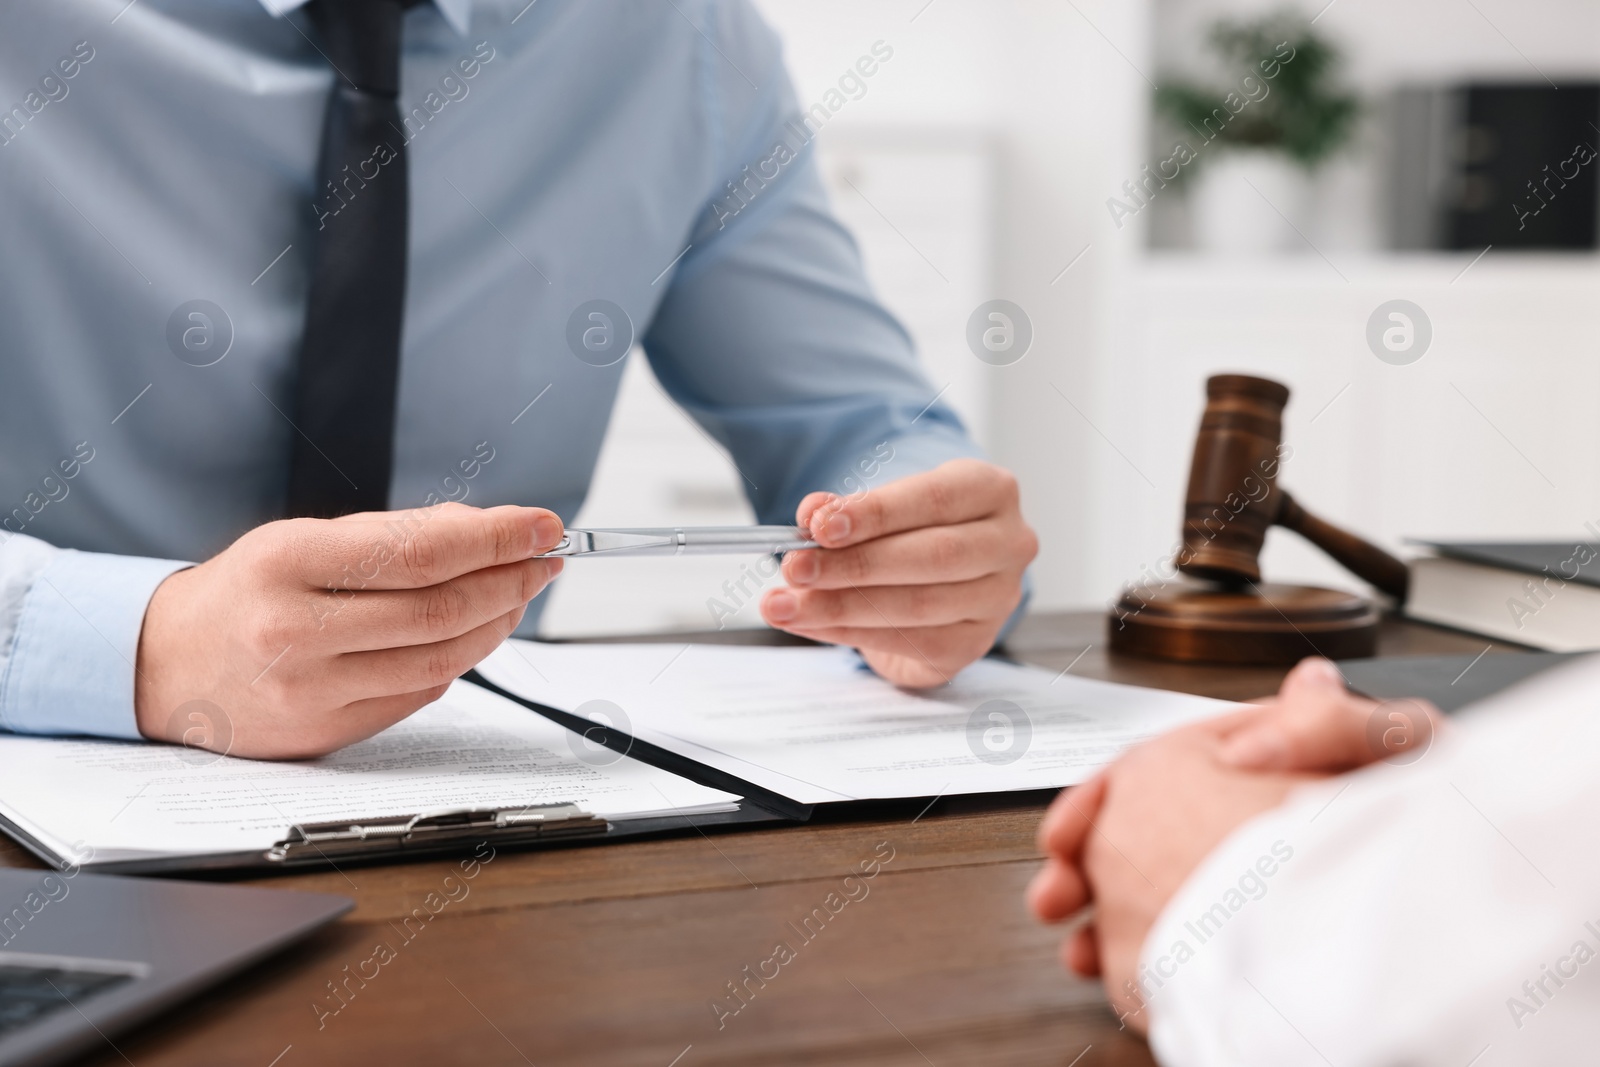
458	13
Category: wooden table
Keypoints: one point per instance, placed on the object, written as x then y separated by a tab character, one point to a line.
614	955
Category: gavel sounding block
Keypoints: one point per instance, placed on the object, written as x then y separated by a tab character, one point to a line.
1267	623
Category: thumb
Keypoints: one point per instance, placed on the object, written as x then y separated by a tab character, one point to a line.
1312	677
1070	820
1315	724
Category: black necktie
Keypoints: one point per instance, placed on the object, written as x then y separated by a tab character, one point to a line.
350	356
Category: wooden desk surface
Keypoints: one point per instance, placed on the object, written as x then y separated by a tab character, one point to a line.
614	955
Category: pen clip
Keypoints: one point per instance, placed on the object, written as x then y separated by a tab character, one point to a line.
572	543
431	831
595	542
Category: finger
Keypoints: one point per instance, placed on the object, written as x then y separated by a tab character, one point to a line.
1315	724
334	730
1081	953
1401	727
810	505
392	671
944	648
1312	678
1308	723
989	597
1070	820
1233	721
392	618
412	549
1057	891
958	491
952	553
910	672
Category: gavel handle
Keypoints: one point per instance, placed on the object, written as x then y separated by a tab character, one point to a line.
1362	558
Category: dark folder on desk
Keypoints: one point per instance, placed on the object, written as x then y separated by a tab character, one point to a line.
1449	682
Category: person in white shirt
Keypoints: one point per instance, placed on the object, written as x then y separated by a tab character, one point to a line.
1325	880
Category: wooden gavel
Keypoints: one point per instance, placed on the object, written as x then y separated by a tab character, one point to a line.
1234	497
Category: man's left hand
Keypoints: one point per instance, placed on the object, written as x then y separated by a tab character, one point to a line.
919	575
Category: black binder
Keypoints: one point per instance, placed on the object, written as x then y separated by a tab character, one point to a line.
1448	682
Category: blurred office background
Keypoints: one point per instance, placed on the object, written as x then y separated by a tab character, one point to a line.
987	159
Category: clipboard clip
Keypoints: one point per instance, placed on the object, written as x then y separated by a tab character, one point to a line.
434	831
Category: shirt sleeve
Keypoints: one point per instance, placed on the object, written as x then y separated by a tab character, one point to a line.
1418	914
69	637
769	335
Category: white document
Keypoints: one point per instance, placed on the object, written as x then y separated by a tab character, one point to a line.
470	749
815	725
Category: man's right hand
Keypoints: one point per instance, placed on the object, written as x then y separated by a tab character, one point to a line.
311	634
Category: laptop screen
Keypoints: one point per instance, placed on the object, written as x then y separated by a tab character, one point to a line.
29	992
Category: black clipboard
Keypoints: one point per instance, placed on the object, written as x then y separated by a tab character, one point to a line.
301	850
421	835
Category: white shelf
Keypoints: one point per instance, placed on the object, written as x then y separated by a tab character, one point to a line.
1299	269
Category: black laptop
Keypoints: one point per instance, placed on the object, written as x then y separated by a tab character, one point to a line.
83	956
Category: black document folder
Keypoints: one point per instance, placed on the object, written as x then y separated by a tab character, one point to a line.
319	844
1449	682
643	751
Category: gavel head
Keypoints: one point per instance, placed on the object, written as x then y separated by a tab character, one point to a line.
1233	495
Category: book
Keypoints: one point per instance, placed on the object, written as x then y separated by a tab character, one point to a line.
1543	595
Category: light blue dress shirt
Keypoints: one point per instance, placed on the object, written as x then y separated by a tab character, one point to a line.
157	217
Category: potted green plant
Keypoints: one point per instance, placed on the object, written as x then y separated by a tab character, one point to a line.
1258	139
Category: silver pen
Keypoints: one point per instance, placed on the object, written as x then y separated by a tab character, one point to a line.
683	541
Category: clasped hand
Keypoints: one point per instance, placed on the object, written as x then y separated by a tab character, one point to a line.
1128	838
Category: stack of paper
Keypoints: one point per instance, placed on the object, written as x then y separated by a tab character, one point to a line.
115	800
816	726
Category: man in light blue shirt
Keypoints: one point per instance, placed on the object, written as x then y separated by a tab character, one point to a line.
567	160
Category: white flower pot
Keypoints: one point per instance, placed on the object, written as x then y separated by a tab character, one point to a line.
1251	201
